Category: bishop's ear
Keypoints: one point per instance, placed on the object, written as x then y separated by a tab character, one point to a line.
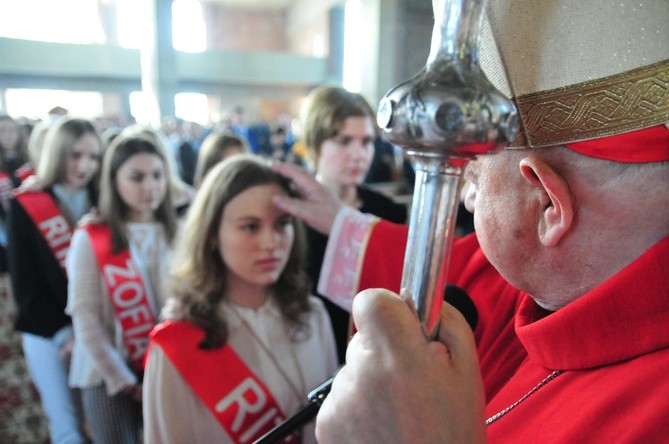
553	194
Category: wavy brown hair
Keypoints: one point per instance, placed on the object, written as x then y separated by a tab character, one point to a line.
198	274
113	210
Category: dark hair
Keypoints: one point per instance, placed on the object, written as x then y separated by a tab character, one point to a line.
215	148
198	273
20	147
113	210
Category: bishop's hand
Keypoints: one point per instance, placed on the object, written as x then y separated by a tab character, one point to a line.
316	206
397	386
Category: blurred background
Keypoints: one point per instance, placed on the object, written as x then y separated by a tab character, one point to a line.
201	63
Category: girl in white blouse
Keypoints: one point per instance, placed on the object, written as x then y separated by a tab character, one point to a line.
244	341
116	267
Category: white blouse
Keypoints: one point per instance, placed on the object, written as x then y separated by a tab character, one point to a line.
99	353
173	413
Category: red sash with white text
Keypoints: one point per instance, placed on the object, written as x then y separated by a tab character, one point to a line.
127	292
239	400
50	222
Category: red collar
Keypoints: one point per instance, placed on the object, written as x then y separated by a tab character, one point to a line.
623	318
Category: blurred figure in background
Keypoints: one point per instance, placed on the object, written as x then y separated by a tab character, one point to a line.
339	129
215	148
14	168
21	416
282	147
39	229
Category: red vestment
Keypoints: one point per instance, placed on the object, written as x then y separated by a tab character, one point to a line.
612	345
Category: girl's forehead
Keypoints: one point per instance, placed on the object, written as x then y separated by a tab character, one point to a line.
143	161
257	197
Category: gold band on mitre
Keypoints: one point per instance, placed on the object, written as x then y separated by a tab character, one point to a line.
612	105
579	69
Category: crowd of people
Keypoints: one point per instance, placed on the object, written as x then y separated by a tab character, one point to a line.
90	256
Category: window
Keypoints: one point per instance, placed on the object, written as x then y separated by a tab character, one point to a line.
353	52
189	30
188	26
36	103
62	21
192	107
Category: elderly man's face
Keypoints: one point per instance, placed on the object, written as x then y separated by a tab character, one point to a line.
504	215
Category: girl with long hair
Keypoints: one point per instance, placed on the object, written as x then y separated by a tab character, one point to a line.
39	230
242	325
116	266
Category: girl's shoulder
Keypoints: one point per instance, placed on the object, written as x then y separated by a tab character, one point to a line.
316	305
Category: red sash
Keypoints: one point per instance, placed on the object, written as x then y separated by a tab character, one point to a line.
50	222
238	400
24	171
127	292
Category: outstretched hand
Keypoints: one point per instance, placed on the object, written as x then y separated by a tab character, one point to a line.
29	184
397	386
92	217
317	206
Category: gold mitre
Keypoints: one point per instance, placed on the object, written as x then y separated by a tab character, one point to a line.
579	69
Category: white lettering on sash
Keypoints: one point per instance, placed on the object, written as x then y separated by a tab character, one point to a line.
57	235
137	347
128	294
111	271
240	397
135	315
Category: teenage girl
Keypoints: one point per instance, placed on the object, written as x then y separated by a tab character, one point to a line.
245	341
39	230
116	267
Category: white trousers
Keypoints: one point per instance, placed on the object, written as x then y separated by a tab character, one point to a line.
60	403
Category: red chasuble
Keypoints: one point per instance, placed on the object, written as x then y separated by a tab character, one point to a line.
499	350
612	346
50	222
240	401
127	292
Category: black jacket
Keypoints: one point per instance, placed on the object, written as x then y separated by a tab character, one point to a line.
38	280
374	203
